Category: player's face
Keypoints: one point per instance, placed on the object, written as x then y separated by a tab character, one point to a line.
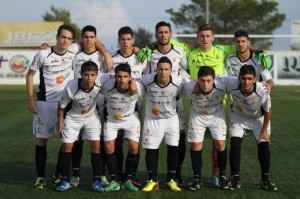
163	71
122	79
163	35
88	39
242	44
206	83
64	39
247	83
205	39
126	41
88	79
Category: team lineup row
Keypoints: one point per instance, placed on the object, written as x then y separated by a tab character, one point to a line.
156	72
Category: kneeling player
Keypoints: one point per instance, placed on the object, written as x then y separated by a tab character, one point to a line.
121	114
207	112
77	111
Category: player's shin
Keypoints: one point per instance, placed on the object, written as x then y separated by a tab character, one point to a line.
172	162
264	156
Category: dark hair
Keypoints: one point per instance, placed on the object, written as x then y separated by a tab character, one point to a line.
164	59
65	27
247	69
206	70
88	28
162	23
123	67
205	27
241	33
125	30
89	66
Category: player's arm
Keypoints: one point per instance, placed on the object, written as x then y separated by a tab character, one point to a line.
132	86
264	134
29	85
60	115
108	61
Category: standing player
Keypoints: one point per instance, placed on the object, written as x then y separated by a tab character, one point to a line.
76	111
251	111
207	112
245	56
126	55
161	121
54	65
121	114
88	53
163	34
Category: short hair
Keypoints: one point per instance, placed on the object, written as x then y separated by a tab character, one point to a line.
89	66
123	67
125	30
88	28
247	69
164	59
205	27
162	23
66	27
241	33
206	70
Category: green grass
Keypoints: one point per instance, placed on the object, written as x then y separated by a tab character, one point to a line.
17	166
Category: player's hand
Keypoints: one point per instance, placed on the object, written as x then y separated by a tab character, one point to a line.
59	133
108	61
264	136
132	87
197	89
264	59
135	50
267	86
44	46
32	106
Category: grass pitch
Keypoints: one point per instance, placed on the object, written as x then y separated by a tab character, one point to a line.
17	166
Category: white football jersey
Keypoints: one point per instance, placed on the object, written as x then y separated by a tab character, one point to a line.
120	106
206	104
161	101
234	65
176	55
82	57
78	103
137	68
55	71
250	106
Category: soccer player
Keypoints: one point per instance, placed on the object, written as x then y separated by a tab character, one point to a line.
88	53
207	112
121	114
161	121
177	55
251	112
76	111
54	65
244	56
126	55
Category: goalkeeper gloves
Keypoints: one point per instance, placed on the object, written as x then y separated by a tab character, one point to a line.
264	59
146	52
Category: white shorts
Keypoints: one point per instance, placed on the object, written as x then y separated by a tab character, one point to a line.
156	129
239	124
45	121
216	123
91	129
181	115
131	127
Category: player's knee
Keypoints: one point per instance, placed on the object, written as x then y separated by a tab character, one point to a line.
109	147
220	145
